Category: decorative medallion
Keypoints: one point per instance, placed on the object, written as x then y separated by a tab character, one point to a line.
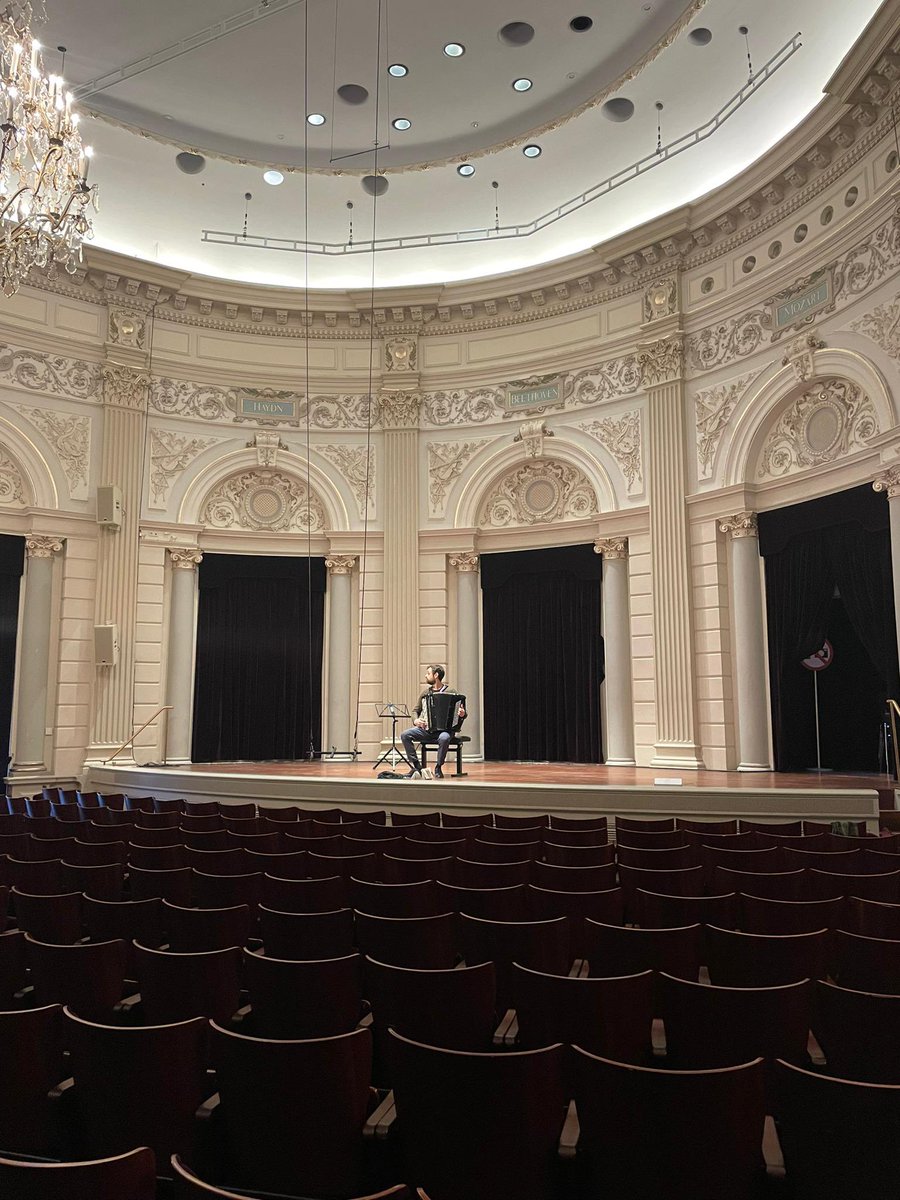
538	493
13	493
821	425
266	501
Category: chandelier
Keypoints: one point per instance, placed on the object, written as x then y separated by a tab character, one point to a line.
45	197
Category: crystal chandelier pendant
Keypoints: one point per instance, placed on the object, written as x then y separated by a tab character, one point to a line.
45	197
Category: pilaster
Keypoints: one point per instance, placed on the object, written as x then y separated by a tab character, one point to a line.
467	677
182	646
619	710
340	636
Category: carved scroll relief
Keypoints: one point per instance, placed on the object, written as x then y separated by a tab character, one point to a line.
70	437
823	424
538	493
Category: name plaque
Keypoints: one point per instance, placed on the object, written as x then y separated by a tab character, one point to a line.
534	393
796	304
265	406
253	406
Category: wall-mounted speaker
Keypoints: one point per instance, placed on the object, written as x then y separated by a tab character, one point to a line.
106	645
109	506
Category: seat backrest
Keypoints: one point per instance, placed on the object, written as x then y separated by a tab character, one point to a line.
170	1063
356	866
759	915
49	918
425	943
779	885
511	835
450	1008
193	1186
674	859
686	882
664	839
199	929
395	899
867	964
612	1016
126	919
468	873
750	960
312	1135
395	869
645	824
304	895
543	945
502	852
31	1051
314	999
105	882
226	891
873	918
414	847
815	1112
706	827
172	884
574	879
179	987
302	936
884	887
578	824
12	966
567	855
88	976
655	911
493	904
621	950
156	858
859	1033
710	1026
453	1105
217	862
289	864
130	1176
685	1135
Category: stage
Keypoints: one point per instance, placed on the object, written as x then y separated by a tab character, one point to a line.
514	788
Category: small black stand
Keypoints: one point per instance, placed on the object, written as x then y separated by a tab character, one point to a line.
393	752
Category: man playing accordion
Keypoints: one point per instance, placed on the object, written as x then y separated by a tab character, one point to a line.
420	731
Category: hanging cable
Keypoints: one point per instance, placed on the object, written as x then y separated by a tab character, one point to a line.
746	33
311	748
659	145
364	561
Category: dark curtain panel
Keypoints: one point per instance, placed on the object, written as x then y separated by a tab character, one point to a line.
258	692
861	561
543	655
12	563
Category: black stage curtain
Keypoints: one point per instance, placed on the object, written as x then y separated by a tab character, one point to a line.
543	655
258	692
12	564
828	575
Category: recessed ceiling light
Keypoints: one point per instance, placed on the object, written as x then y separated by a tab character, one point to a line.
316	119
531	151
581	24
454	50
522	85
401	122
273	177
465	169
398	70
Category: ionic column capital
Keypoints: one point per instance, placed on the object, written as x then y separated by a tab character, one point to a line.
464	562
43	545
341	564
616	547
888	481
185	558
740	525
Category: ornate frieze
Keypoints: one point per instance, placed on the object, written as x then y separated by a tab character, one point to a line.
537	493
43	545
531	434
868	263
465	563
446	462
611	547
205	402
356	465
50	373
742	524
185	558
340	564
882	326
821	425
720	344
125	387
399	410
662	361
889	482
713	408
266	501
170	454
13	493
621	436
70	437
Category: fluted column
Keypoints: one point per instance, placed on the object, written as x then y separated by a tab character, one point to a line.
182	642
889	483
34	657
749	643
662	370
340	571
468	650
619	729
400	505
124	415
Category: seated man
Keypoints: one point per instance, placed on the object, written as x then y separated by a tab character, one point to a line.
434	677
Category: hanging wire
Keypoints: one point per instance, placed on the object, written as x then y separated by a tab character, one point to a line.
337	4
309	625
350	218
248	196
742	29
659	145
364	561
496	186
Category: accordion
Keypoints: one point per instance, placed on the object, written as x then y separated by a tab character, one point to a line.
441	711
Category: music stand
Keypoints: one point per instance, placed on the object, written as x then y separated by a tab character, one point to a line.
393	752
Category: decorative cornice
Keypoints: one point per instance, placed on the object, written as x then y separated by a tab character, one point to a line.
341	564
185	558
742	524
43	545
616	547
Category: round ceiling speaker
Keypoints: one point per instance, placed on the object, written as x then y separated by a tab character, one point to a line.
190	164
701	36
374	185
516	33
353	93
620	108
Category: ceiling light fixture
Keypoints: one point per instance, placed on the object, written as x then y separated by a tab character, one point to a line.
465	169
398	70
532	151
315	119
454	50
401	123
273	177
522	85
44	192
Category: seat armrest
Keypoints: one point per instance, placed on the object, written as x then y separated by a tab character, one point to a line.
208	1108
127	1004
508	1030
366	1022
379	1122
571	1130
61	1089
242	1014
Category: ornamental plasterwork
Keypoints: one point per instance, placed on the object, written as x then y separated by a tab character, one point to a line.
718	344
185	558
882	326
800	356
621	436
537	493
400	356
661	299
446	462
170	454
13	493
466	562
43	545
127	327
740	525
340	564
821	425
206	402
869	262
265	501
49	373
356	465
612	547
889	482
400	410
267	446
713	407
70	437
531	434
125	387
662	362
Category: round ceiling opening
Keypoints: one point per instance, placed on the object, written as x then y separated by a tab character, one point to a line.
516	33
353	93
619	108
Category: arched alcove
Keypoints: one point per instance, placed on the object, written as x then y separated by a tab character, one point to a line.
26	478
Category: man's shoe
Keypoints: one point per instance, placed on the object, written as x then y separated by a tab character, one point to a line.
413	773
438	773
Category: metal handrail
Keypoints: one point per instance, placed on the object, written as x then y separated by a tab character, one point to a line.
150	720
894	710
